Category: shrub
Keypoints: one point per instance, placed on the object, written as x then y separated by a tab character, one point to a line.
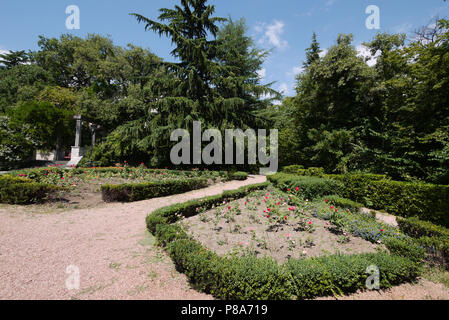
355	186
238	176
405	247
340	274
437	250
292	169
309	187
142	191
416	228
21	191
301	171
425	201
344	203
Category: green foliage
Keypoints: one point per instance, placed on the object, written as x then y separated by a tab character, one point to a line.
149	190
22	191
416	228
309	187
238	176
405	247
51	126
341	274
343	203
391	118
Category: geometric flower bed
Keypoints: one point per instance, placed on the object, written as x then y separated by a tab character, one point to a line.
245	275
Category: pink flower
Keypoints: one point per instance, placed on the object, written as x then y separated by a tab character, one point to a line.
288	235
297	188
332	207
310	222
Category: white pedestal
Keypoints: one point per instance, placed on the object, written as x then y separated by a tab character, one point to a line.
77	155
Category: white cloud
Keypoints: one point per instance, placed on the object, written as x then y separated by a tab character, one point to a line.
364	52
323	53
272	34
403	28
283	88
2	51
297	70
262	73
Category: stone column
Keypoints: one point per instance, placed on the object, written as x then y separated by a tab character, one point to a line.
78	131
77	151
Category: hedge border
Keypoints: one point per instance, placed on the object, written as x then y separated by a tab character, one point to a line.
142	191
23	191
406	199
249	278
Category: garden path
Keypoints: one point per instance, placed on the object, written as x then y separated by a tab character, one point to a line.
116	256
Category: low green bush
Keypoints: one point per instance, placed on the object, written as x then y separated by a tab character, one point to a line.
355	186
301	171
292	169
309	187
342	274
405	247
238	176
437	250
416	228
425	201
23	191
344	203
142	191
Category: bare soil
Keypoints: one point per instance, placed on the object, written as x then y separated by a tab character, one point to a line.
242	227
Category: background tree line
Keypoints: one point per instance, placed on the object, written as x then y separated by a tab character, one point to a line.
390	118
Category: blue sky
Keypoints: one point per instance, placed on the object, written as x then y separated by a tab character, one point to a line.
285	26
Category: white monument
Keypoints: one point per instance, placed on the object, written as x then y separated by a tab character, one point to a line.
77	150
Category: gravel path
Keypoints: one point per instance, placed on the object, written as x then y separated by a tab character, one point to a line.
110	246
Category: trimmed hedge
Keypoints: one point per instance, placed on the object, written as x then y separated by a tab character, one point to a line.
416	228
250	278
406	199
435	239
310	187
344	203
22	191
142	191
238	176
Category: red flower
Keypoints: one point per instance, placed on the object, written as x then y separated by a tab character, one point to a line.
286	218
382	230
288	190
327	201
297	188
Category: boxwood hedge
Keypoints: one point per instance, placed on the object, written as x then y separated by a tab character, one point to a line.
22	191
141	191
